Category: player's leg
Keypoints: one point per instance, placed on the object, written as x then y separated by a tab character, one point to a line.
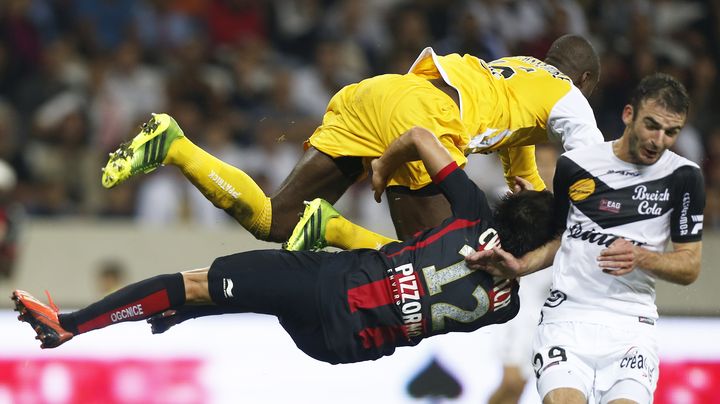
272	282
511	386
269	282
318	176
514	339
629	374
162	142
627	392
564	396
279	283
563	376
321	225
131	303
413	211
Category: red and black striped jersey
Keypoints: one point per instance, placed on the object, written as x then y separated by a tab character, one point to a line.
415	289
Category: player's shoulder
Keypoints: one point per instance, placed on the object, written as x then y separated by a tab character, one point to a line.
676	161
583	159
682	169
589	151
532	65
522	61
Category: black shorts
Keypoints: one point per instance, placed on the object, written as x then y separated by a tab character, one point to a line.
280	283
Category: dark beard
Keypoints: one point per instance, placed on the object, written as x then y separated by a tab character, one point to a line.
633	146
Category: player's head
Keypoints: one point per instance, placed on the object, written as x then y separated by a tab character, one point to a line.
657	112
525	221
576	58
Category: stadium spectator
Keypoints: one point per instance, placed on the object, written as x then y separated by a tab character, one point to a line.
128	88
11	216
103	26
315	85
470	35
61	161
111	274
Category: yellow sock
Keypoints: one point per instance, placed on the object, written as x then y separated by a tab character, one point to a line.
342	233
227	187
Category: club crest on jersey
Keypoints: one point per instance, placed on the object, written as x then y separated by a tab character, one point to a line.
556	297
610	206
581	189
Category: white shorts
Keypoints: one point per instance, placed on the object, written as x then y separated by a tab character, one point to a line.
605	363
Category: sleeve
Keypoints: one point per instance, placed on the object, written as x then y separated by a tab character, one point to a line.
572	122
455	147
686	219
467	201
520	162
561	187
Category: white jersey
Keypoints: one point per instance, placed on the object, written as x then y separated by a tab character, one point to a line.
606	198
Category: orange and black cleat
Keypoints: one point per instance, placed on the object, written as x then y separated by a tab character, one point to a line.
42	318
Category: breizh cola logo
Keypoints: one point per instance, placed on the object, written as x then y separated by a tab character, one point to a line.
649	200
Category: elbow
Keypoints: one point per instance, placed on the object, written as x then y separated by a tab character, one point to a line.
689	278
420	134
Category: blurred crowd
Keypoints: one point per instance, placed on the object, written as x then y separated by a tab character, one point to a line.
249	80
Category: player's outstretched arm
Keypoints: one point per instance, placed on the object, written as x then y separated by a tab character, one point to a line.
415	144
500	263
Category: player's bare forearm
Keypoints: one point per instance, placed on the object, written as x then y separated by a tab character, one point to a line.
681	266
415	144
540	258
498	262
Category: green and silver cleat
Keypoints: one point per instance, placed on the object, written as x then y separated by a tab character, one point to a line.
144	153
309	233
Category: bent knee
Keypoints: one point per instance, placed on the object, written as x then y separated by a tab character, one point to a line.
513	380
564	395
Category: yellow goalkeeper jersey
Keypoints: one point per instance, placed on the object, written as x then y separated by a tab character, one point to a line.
511	104
507	105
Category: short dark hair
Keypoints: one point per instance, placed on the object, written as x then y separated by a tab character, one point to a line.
665	90
525	221
574	55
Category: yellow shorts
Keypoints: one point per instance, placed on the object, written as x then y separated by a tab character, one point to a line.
362	120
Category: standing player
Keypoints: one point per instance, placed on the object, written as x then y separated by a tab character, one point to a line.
471	106
354	305
622	202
